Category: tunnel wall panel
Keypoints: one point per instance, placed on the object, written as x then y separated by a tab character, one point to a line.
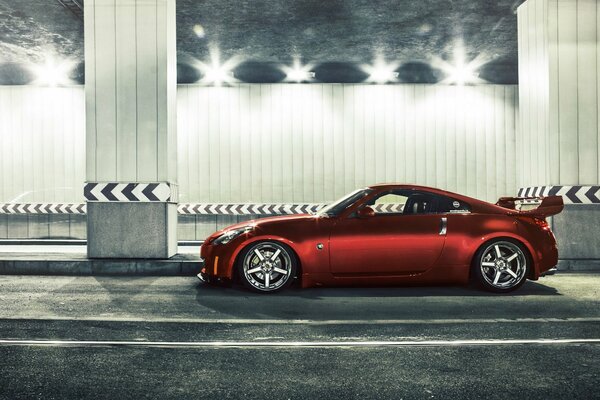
281	142
558	137
313	143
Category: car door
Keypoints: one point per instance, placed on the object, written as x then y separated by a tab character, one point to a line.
395	241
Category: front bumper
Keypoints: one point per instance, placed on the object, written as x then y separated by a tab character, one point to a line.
202	275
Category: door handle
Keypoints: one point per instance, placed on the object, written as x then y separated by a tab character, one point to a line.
443	226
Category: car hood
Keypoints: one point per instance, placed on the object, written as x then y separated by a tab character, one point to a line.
264	223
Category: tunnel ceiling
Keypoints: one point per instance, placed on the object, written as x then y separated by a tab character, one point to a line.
335	35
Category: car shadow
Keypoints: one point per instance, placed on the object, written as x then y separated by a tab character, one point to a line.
530	288
379	303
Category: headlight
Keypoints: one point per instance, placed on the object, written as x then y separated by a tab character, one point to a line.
228	236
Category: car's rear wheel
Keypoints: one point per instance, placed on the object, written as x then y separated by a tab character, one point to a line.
267	267
501	265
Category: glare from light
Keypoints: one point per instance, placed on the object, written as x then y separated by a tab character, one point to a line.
462	74
381	72
217	73
298	72
53	72
460	71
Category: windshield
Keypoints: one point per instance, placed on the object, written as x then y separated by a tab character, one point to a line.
340	205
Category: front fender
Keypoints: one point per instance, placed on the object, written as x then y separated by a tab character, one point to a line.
241	246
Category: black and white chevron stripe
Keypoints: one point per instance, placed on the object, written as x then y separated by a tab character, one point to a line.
42	208
571	194
247	209
189	208
266	209
134	191
388	208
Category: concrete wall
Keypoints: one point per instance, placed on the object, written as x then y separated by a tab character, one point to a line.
36	226
62	226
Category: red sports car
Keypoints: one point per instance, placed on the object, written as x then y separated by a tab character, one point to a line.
390	235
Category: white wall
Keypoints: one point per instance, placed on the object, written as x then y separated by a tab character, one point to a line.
281	142
130	72
42	144
559	83
312	143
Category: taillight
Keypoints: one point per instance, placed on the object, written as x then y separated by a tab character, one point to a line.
542	223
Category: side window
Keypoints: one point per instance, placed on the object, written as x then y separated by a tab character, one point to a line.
389	203
450	205
408	201
420	203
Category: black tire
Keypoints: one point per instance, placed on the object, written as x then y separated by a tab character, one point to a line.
501	265
267	266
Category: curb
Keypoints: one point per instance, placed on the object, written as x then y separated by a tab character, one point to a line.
177	266
87	267
581	265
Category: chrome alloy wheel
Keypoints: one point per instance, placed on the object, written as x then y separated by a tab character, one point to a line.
503	265
267	266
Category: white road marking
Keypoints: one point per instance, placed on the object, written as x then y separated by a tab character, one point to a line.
255	321
296	344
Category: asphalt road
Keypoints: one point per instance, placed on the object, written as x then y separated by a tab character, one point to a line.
151	337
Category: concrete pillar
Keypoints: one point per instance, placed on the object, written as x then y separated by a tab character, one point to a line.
131	149
558	136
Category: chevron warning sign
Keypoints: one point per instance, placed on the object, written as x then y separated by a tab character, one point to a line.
126	192
571	194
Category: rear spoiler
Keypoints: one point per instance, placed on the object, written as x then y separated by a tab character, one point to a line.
550	205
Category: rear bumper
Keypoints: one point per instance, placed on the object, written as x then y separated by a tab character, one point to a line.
551	271
548	259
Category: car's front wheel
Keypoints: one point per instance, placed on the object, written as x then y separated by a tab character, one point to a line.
267	267
501	265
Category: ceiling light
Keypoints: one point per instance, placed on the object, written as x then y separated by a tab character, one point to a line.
53	72
216	73
462	74
298	73
381	72
459	71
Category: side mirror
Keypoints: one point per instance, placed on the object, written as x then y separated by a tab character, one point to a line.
366	212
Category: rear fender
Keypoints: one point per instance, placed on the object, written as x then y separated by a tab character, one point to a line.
534	273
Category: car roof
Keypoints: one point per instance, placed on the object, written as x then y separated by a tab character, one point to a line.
480	205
